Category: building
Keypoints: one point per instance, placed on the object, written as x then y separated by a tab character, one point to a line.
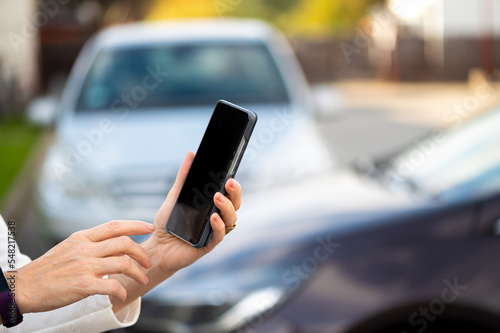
18	49
441	39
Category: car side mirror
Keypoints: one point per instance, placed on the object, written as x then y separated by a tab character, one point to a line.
42	111
327	99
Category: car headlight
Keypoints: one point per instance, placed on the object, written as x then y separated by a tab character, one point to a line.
254	305
57	177
215	300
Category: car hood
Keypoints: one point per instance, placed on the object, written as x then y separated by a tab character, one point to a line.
285	144
274	224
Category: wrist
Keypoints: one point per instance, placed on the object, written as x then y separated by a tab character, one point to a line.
15	278
9	307
159	271
156	274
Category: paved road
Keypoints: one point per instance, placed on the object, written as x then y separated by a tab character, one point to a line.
360	133
20	207
377	118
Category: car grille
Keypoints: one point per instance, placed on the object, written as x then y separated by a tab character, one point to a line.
141	189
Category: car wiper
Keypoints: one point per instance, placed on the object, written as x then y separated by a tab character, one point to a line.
366	166
392	179
381	172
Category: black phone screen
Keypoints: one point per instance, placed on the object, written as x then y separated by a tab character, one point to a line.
207	173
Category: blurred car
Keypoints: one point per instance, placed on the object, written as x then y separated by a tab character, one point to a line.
408	244
140	96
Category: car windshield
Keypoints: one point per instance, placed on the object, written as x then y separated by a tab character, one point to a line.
182	75
456	164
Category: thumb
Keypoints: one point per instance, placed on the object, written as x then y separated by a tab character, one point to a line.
166	208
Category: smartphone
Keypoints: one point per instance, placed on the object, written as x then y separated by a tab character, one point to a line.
216	160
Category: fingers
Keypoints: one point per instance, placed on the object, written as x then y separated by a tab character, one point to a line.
120	265
110	287
233	190
118	228
218	233
123	246
226	208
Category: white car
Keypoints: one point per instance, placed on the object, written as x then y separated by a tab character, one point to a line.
140	96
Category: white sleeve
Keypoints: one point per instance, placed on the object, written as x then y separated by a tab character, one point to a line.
93	314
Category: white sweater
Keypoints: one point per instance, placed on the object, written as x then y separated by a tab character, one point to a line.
93	314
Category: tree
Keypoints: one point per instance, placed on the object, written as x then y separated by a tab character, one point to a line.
324	17
303	17
170	9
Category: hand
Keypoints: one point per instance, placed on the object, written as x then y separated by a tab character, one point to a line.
167	252
171	253
73	269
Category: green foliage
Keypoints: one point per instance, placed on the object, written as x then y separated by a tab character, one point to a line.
297	17
324	17
17	139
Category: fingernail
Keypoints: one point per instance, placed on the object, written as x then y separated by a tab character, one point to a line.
217	217
150	263
232	183
146	280
150	227
220	197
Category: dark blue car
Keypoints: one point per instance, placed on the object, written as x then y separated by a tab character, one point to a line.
402	245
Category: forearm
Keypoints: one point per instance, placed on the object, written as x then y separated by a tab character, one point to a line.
135	290
93	314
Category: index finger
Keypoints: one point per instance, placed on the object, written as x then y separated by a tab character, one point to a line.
118	228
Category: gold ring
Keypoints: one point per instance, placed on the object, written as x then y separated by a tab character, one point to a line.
229	229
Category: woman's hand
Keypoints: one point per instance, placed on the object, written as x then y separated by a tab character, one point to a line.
167	252
171	253
73	269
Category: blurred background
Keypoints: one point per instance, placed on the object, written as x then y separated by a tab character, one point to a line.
380	75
